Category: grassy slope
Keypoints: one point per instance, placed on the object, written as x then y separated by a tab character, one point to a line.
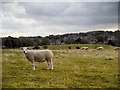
72	68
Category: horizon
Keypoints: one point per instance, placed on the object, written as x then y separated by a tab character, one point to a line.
61	34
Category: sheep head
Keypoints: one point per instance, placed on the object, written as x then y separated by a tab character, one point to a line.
24	49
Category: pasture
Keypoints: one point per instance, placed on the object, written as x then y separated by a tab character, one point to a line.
73	68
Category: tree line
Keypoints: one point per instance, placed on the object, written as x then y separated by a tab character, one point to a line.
12	42
105	37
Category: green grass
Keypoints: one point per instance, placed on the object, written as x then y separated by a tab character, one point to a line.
73	46
72	68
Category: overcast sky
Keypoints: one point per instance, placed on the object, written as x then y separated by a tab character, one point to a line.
47	18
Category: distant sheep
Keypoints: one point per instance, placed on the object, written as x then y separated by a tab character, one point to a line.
36	47
117	48
100	48
69	47
77	47
45	46
39	56
84	48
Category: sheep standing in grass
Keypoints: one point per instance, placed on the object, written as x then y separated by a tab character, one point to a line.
69	47
117	48
45	46
100	48
84	48
36	47
77	47
39	56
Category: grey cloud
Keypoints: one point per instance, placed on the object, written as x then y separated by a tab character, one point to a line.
73	13
45	9
60	17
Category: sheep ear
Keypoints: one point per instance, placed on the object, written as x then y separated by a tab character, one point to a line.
28	48
21	48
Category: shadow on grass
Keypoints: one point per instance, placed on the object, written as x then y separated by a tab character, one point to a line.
46	69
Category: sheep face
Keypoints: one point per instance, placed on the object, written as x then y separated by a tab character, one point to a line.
24	49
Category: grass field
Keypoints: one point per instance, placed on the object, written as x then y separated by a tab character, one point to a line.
72	68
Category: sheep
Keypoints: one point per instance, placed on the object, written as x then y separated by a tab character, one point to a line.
36	47
100	48
39	56
84	48
69	47
117	48
77	47
45	46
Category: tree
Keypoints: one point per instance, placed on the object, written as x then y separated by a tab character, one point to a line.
27	42
78	40
15	43
11	42
84	41
110	42
70	40
100	38
8	43
45	41
24	43
37	42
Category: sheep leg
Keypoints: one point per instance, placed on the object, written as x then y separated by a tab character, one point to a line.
51	66
33	66
48	65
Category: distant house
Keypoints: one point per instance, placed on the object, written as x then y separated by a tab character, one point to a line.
58	42
52	42
111	38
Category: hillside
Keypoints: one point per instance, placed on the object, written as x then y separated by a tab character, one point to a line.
93	37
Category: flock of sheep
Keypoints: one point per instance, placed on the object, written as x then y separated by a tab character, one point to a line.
86	48
47	55
98	48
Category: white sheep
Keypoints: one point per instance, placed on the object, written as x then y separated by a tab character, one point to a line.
39	56
100	48
84	48
117	48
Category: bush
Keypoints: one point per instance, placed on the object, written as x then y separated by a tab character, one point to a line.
45	46
36	47
100	42
45	41
77	47
111	42
69	47
100	38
